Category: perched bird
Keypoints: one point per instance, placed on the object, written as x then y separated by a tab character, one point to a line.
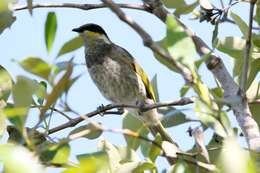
118	76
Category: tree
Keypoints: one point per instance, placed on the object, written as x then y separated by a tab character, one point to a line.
48	89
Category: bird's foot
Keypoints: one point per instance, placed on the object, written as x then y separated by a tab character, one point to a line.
100	109
121	110
141	107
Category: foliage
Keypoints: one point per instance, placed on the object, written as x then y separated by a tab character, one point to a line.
48	85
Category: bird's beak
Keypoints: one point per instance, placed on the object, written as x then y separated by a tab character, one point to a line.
76	30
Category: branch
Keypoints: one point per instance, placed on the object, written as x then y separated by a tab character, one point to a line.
214	63
244	73
220	72
148	42
177	156
104	109
80	6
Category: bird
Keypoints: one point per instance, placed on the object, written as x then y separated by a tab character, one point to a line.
118	76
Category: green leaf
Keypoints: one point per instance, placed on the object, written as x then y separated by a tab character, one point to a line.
155	151
41	98
254	70
71	45
255	110
50	30
57	90
179	44
132	123
90	131
181	167
186	9
202	59
214	36
5	83
223	118
207	116
16	115
6	15
15	136
184	90
180	5
135	167
18	159
112	153
163	44
154	84
257	15
217	94
253	92
256	40
36	66
243	162
240	23
23	91
29	5
62	155
173	117
2	122
173	4
127	155
56	153
203	92
93	162
233	46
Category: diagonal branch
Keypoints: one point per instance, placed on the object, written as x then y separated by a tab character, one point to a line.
220	72
214	63
148	42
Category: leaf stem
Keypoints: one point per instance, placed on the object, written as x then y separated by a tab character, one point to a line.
246	60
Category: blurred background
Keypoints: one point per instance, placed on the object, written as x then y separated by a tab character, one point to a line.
25	38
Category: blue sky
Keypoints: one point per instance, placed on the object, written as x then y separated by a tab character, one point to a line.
26	38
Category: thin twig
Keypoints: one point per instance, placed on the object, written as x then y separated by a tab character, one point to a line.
148	42
191	160
79	6
54	109
222	4
244	73
103	109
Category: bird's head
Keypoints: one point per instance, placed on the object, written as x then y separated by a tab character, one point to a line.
92	34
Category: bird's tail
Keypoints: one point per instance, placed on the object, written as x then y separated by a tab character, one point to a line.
152	119
158	128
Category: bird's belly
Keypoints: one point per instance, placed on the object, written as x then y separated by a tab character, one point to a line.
118	84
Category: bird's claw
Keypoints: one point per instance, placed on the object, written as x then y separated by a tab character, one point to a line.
141	107
121	110
100	109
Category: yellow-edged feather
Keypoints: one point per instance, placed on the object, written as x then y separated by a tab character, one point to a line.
149	89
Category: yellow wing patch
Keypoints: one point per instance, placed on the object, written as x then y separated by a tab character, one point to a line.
149	89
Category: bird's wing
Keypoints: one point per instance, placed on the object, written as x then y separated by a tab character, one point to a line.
147	84
128	58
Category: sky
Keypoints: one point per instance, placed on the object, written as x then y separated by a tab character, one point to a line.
26	38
